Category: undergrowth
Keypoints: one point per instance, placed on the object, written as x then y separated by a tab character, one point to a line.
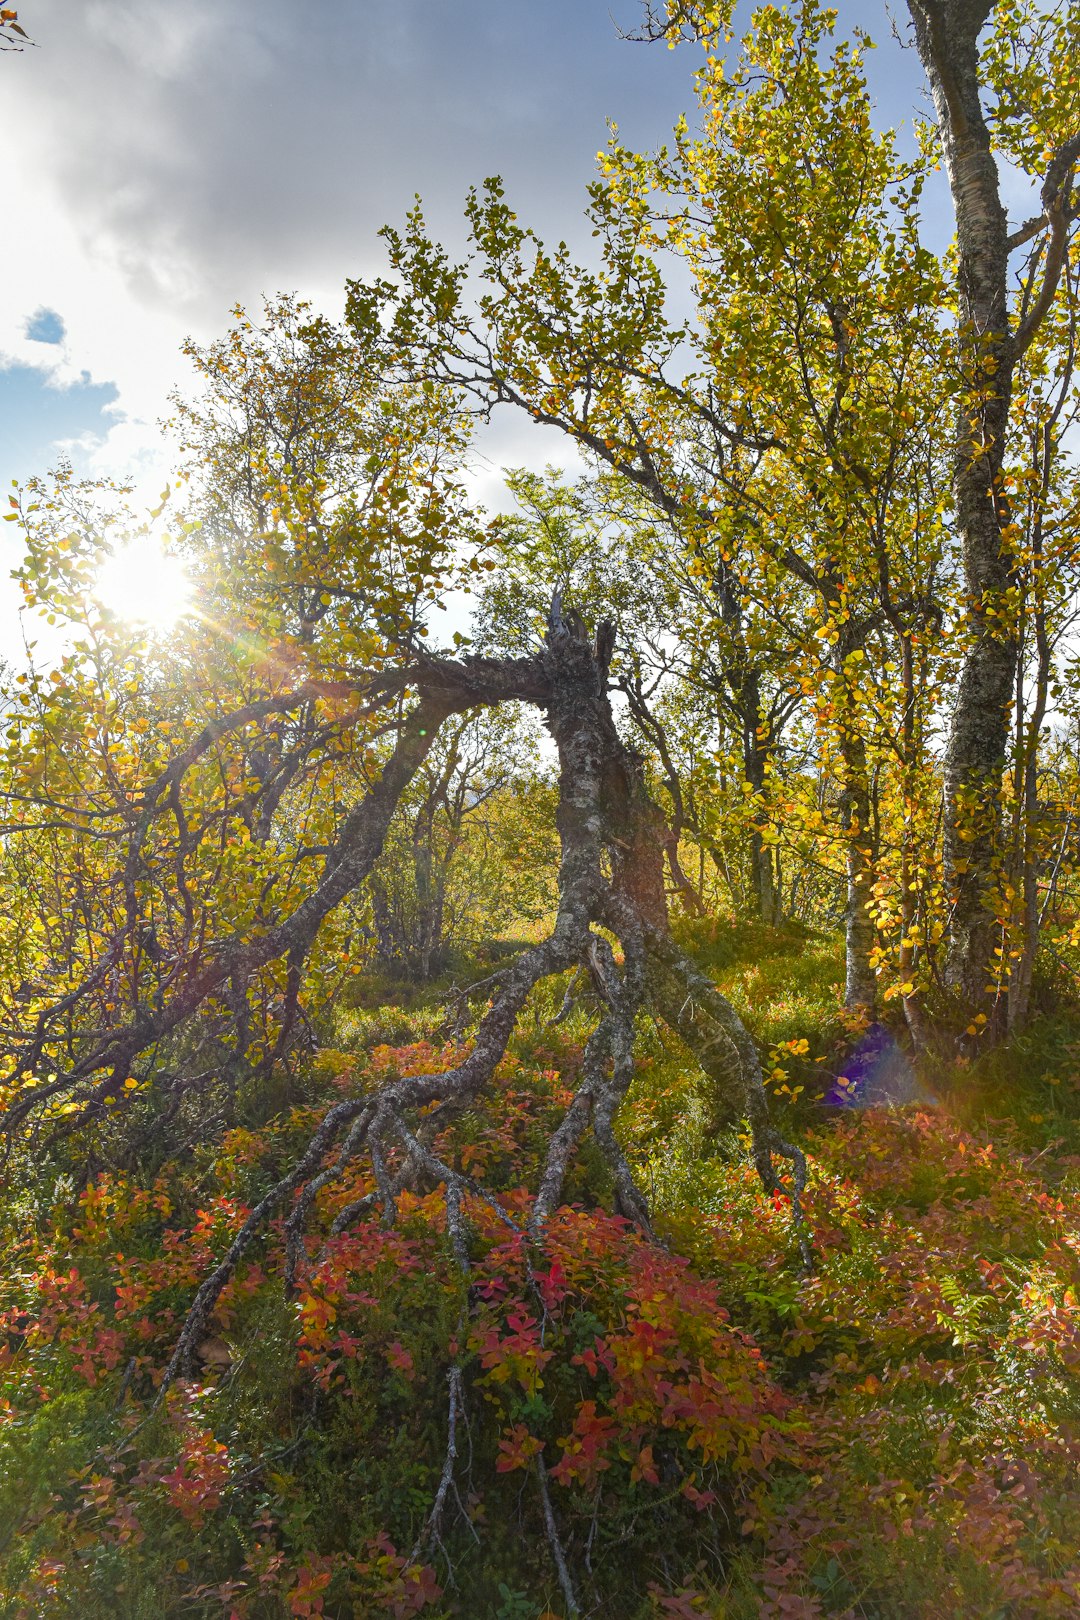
896	1435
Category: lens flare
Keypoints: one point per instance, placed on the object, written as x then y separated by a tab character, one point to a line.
142	583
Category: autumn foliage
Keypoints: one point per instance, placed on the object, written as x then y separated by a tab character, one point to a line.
718	1435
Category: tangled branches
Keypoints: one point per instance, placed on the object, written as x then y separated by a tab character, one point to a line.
611	897
611	925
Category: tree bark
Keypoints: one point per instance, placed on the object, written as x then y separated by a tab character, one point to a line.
946	33
860	982
757	752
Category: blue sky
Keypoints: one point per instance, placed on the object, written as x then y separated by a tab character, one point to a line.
40	417
38	421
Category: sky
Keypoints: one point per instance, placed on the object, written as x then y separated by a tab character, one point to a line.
174	160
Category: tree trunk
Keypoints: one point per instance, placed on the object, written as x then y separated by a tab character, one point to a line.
909	855
946	33
387	943
860	982
756	759
654	731
743	680
1024	936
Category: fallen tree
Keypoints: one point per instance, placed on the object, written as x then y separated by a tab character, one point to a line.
611	920
611	925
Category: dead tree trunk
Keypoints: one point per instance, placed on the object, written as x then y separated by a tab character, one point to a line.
611	900
607	817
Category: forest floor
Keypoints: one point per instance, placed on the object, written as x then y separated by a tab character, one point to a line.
695	1426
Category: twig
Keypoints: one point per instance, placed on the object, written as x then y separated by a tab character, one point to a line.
125	1384
567	1002
446	1479
555	1543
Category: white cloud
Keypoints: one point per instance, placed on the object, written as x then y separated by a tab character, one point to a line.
174	160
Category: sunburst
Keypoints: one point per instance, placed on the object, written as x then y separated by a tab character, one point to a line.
144	584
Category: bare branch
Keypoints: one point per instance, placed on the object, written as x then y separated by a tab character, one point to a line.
554	1540
1059	215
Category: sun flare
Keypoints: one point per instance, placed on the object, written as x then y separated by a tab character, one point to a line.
142	583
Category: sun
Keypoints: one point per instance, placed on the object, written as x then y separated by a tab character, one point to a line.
142	583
